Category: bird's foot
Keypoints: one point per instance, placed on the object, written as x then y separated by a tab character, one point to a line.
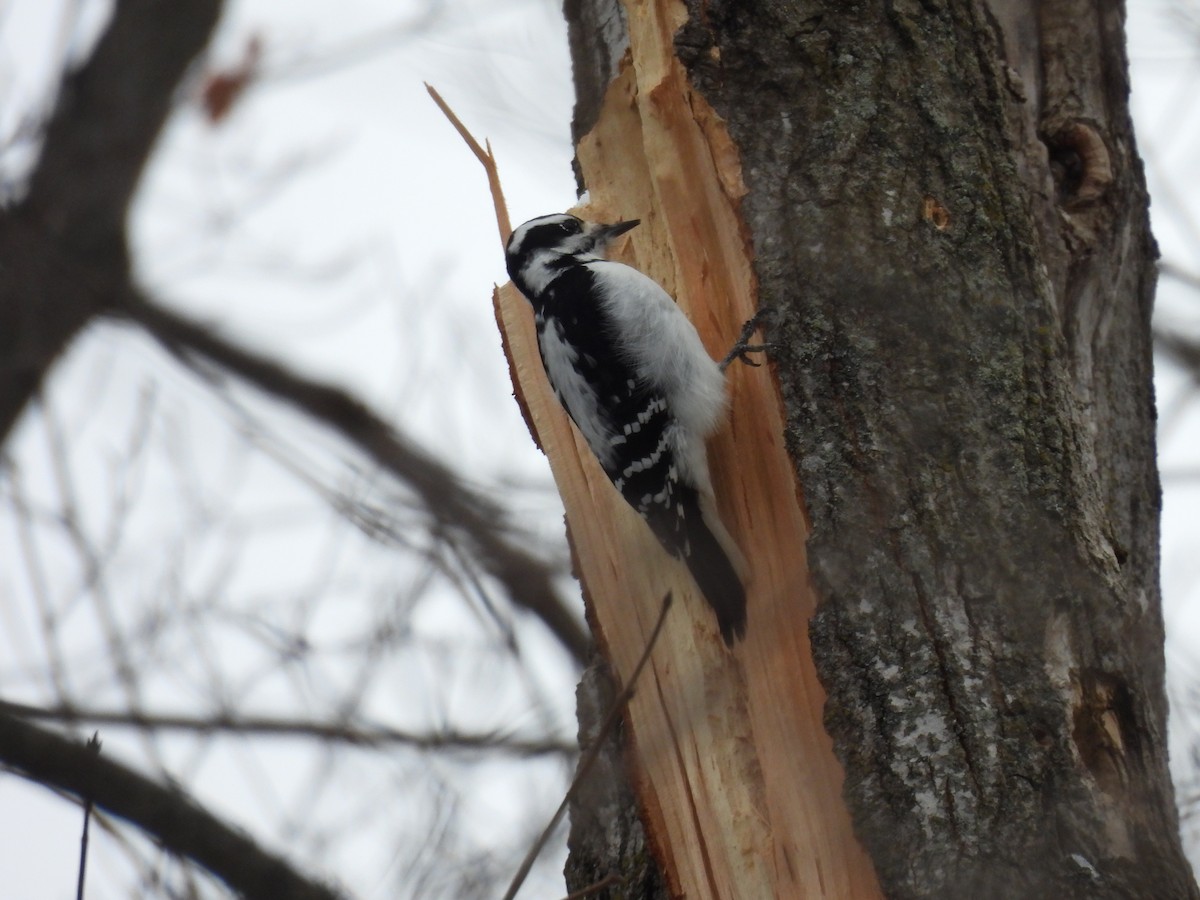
743	347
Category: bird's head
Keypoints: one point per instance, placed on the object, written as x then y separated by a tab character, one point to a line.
541	248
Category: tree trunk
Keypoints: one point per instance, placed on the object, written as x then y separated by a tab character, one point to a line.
944	205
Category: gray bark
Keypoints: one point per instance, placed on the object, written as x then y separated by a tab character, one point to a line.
606	836
949	216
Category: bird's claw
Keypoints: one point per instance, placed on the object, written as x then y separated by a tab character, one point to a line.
743	347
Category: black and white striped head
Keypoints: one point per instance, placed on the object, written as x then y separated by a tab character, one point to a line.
542	248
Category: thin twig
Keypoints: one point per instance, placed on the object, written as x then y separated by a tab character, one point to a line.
93	745
593	753
454	505
485	157
1170	270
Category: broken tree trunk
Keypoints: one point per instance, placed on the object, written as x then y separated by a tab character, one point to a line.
953	466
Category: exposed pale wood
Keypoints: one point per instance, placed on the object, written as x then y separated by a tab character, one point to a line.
486	158
737	778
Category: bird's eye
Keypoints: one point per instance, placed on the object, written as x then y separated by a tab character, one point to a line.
569	227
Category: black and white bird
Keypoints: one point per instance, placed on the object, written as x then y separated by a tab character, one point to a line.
632	373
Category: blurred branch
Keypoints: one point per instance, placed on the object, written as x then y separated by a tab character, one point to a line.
104	127
1180	274
93	744
303	728
527	580
1180	350
167	814
107	121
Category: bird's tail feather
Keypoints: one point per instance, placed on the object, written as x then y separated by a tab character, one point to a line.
690	529
718	567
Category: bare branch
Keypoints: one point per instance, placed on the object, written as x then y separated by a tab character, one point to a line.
527	580
357	735
167	814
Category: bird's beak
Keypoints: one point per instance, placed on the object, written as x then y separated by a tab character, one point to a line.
605	233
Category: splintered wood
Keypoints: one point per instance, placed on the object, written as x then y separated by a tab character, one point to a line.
736	776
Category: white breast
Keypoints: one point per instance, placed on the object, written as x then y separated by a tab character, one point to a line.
666	351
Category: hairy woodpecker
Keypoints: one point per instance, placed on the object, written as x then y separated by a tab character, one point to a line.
630	370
